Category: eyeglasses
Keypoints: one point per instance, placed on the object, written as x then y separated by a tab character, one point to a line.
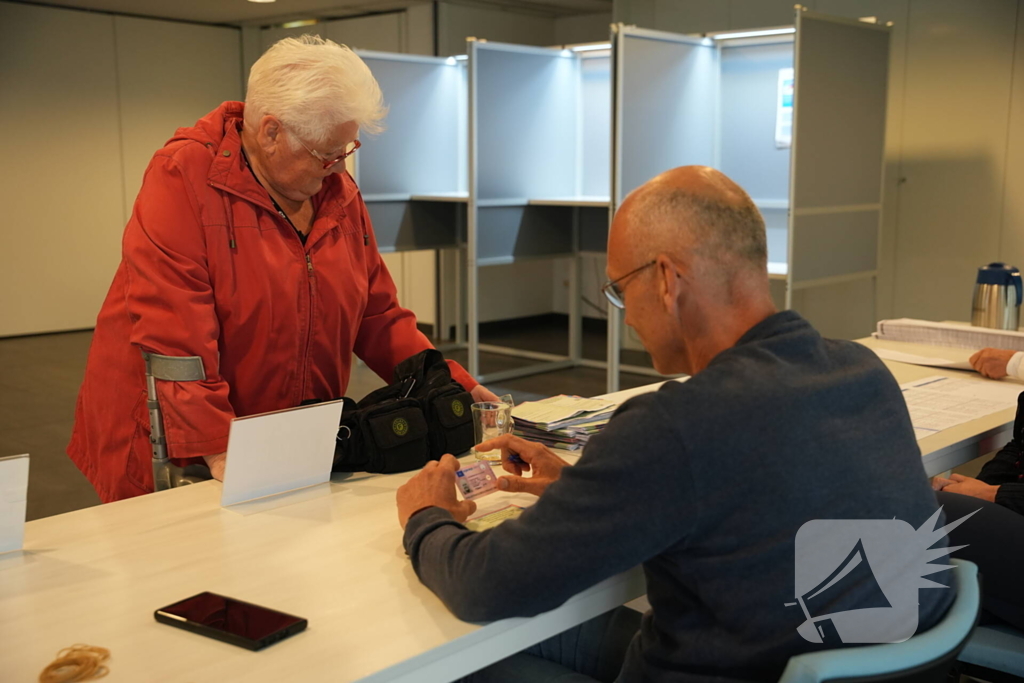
614	292
328	163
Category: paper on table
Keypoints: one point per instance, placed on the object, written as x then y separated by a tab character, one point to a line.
13	501
937	403
558	409
281	451
493	519
914	359
957	335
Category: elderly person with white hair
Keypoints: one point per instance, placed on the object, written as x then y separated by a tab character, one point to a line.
249	247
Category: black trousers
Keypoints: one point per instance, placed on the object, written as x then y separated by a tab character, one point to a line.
995	542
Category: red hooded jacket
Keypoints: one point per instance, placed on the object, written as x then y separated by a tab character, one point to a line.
210	269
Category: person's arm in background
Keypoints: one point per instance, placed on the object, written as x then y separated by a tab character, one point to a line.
388	333
601	517
171	307
998	363
1001	480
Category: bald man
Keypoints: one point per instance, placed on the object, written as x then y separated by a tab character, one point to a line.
705	483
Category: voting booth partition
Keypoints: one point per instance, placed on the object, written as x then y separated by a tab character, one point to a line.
413	175
795	115
516	153
539	143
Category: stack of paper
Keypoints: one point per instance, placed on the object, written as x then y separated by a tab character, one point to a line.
957	335
562	421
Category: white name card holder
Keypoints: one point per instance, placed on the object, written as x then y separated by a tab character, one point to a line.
278	452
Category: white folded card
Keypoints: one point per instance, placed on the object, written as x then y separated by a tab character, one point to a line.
281	451
13	499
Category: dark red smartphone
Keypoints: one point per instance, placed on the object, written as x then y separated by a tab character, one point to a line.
233	621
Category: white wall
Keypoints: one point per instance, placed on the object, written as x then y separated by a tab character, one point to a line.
457	22
584	28
954	185
82	116
169	75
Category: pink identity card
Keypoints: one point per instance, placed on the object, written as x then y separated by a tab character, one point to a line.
476	480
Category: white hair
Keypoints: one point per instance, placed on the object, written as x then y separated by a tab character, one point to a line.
313	85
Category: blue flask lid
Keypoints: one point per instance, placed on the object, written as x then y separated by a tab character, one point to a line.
1001	274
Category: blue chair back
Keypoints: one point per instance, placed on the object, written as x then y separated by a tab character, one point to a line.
995	654
924	658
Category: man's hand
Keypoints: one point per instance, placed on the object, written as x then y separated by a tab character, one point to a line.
991	363
966	486
433	486
216	464
518	456
482	394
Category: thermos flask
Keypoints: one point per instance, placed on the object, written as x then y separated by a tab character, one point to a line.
997	297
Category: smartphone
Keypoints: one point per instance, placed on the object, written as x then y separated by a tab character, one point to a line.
233	621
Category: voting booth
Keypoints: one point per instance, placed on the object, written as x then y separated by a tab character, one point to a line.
539	173
413	175
795	115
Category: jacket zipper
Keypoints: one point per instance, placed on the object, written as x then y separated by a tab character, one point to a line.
304	361
304	364
309	323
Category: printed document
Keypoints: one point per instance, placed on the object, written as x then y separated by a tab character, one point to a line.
938	403
560	409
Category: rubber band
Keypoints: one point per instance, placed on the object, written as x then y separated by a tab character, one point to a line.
77	663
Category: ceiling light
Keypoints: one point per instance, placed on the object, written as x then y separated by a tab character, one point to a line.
588	48
262	1
754	34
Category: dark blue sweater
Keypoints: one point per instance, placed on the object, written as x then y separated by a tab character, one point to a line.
706	484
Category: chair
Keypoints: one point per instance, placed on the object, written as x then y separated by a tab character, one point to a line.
925	658
167	475
995	654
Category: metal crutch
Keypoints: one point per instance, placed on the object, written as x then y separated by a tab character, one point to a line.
167	475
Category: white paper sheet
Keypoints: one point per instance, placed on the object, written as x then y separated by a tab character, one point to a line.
956	335
13	501
558	409
937	403
914	359
281	451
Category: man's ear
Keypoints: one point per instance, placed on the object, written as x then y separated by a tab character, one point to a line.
669	281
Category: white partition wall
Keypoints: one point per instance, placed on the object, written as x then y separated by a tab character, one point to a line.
838	146
795	116
538	171
413	175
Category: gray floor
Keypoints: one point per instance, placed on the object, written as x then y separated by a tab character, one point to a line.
40	377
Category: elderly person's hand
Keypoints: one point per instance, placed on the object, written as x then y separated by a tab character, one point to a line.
482	394
216	464
518	456
433	486
992	363
966	486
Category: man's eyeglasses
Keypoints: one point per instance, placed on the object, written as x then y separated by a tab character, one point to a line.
613	291
328	163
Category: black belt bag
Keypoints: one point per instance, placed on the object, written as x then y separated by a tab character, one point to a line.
421	416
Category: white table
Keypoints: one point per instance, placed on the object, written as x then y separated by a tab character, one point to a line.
333	556
963	443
